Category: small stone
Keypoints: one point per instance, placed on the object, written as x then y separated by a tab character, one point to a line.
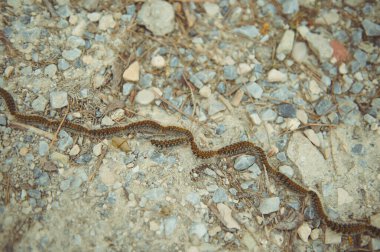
59	158
170	224
254	90
331	237
287	170
50	70
43	179
158	61
290	6
287	110
63	64
286	44
212	9
157	16
304	232
255	118
117	115
198	229
219	196
132	73
344	197
156	194
226	217
145	97
65	140
343	69
3	120
358	149
276	76
74	150
314	234
230	72
97	149
127	88
8	71
250	31
244	162
302	116
243	68
310	134
39	104
318	44
65	184
215	107
106	22
340	52
269	205
94	17
205	91
328	18
323	107
146	80
58	99
371	29
268	115
43	148
299	52
193	198
36	194
71	54
107	121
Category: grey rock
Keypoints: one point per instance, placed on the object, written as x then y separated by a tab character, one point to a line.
287	170
39	104
155	194
323	106
170	224
84	93
84	159
220	129
65	140
254	90
219	196
127	88
221	88
282	94
146	80
281	156
249	31
215	107
205	75
244	162
77	182
27	71
268	115
43	179
269	205
71	54
254	171
230	72
358	149
290	6
198	229
65	184
157	16
309	213
3	120
371	29
193	198
327	189
64	11
63	64
357	35
196	81
50	70
74	41
43	148
58	99
287	110
36	194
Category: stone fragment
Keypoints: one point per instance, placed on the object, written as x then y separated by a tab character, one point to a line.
332	237
344	197
158	61
371	29
276	76
269	205
226	217
106	22
299	52
132	73
58	99
286	44
304	232
309	133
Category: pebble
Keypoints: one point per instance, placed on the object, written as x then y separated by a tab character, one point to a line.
215	107
276	76
269	205
106	22
299	52
323	106
205	91
94	16
3	120
59	158
58	99
371	29
43	179
39	104
65	140
157	16
158	61
97	149
328	18
43	148
219	196
230	72
226	217
344	197
287	170
50	70
244	162
156	194
331	237
302	116
243	68
74	150
65	184
63	64
309	133
249	31
318	44
304	232
286	44
268	115
170	223
287	110
255	118
71	54
254	90
132	73
145	97
212	9
146	80
127	88
193	198
314	234
107	121
198	229
290	6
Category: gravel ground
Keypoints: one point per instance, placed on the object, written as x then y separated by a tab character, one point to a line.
298	78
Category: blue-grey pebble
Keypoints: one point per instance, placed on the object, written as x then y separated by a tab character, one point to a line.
36	194
230	72
287	110
63	64
323	106
219	196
